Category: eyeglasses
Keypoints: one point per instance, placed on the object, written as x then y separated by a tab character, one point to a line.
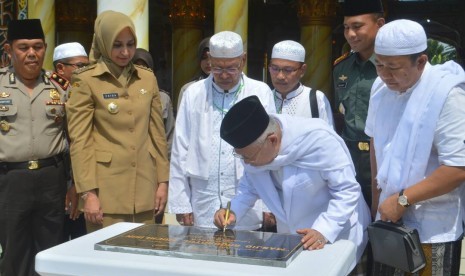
286	70
240	156
229	71
77	65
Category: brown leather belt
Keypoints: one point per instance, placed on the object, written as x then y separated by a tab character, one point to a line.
33	164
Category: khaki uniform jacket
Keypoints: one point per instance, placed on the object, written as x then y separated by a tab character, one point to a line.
118	143
31	126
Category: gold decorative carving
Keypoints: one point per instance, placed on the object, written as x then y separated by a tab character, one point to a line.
188	13
7	13
76	15
316	12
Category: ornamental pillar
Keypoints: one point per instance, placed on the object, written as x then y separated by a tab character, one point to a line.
137	10
7	13
232	16
316	18
187	18
45	11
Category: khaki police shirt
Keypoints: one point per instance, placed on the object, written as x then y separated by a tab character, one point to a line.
32	126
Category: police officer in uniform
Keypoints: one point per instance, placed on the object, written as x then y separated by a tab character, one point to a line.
353	76
68	57
32	171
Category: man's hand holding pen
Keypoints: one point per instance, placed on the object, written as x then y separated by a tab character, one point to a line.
224	217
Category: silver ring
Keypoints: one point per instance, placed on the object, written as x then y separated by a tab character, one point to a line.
319	241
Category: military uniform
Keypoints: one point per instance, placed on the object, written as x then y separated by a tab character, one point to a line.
352	80
118	143
32	172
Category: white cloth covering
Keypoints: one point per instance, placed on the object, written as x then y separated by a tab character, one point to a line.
414	133
204	174
318	188
404	159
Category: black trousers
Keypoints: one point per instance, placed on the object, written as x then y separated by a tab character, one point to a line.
361	161
73	229
31	215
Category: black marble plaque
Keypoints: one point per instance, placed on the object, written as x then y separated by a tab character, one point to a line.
235	246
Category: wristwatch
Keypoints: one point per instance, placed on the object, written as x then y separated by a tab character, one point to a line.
402	199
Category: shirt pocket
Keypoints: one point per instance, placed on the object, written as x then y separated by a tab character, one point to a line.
103	156
55	110
8	115
153	154
106	175
56	115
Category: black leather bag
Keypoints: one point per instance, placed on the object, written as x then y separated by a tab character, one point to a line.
396	245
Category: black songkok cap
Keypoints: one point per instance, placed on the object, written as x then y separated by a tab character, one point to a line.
25	29
357	7
244	122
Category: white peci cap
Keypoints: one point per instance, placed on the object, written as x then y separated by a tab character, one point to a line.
226	45
290	50
67	50
400	37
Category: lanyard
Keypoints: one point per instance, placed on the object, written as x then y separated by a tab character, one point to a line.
235	93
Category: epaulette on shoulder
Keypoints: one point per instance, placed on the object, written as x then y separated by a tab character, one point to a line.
85	68
142	67
59	80
341	58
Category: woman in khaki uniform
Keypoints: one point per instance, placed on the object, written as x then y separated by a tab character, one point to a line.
118	146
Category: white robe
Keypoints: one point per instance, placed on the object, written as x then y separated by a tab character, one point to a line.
297	103
414	133
194	187
319	189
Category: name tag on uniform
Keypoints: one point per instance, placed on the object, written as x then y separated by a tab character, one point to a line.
110	96
342	85
6	101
